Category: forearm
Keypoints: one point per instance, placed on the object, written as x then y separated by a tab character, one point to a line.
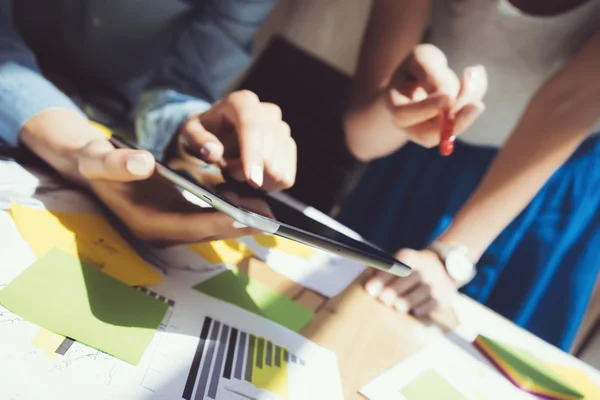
371	131
558	119
395	27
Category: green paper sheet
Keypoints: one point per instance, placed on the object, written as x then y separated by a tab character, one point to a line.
68	297
430	385
235	287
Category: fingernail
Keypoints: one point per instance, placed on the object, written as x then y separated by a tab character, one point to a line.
470	73
238	225
374	288
475	70
401	305
289	177
139	164
475	112
256	175
388	297
395	94
208	148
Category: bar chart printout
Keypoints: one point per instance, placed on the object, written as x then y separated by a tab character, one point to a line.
232	364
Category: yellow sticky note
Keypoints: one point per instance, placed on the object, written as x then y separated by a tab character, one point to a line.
86	236
285	245
105	131
578	379
222	251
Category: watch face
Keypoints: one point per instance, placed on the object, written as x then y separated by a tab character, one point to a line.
459	266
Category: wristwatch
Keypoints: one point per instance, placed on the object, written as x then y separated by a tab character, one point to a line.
456	259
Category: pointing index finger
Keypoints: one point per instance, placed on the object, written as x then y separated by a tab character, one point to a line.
416	112
243	110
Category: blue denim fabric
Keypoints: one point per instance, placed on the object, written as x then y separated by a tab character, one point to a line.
210	49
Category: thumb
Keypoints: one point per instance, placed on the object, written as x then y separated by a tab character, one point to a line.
200	142
99	160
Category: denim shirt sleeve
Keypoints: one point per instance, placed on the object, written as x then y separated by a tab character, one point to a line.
212	48
24	92
159	115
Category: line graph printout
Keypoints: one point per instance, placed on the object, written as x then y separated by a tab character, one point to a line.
252	358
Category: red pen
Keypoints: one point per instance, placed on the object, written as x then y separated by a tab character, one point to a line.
447	133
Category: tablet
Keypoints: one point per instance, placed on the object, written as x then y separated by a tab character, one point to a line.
276	214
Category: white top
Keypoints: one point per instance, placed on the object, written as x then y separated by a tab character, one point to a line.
519	52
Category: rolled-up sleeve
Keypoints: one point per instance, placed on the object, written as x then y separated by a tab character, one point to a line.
213	46
24	92
159	116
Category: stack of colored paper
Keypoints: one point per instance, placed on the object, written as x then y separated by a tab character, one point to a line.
535	375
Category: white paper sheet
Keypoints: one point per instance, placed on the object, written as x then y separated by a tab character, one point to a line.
14	178
177	258
323	272
15	254
470	378
36	189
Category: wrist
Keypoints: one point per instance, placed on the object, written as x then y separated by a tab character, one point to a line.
370	129
57	136
474	239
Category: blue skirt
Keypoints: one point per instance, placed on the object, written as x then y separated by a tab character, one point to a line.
540	272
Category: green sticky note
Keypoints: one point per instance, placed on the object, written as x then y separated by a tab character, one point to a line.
68	297
430	385
235	287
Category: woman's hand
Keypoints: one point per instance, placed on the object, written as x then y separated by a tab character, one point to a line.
410	107
424	85
246	138
426	289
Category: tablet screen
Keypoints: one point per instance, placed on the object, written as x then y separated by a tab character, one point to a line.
274	207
